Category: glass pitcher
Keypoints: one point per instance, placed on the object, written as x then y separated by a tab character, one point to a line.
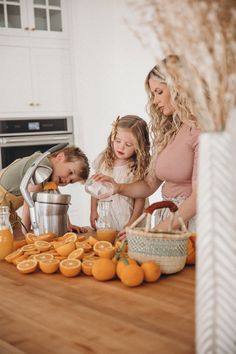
6	234
98	190
105	231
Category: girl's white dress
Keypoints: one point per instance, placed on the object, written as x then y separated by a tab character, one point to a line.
121	207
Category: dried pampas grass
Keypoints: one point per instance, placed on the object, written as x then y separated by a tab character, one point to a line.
204	32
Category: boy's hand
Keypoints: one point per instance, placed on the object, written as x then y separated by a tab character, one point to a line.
77	229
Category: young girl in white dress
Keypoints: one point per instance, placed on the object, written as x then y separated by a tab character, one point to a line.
126	159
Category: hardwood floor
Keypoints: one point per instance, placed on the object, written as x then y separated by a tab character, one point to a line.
42	313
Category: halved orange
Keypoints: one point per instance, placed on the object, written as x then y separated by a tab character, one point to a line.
20	259
27	266
76	254
89	254
49	266
49	236
104	249
30	237
71	238
70	267
67	235
81	238
85	245
92	240
51	185
66	249
43	257
87	265
29	248
10	257
42	246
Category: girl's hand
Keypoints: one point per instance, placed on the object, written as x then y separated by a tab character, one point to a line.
93	219
103	178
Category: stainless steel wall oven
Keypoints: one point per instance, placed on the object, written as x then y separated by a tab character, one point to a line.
21	137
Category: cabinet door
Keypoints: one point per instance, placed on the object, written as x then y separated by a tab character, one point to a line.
34	18
15	82
52	79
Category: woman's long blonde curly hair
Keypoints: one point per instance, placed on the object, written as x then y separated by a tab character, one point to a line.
174	72
139	162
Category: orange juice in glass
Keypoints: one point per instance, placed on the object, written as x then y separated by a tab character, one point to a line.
106	234
105	230
6	235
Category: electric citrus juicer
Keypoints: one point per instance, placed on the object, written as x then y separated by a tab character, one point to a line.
48	209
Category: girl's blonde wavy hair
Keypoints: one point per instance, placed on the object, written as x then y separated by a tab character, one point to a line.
139	162
176	73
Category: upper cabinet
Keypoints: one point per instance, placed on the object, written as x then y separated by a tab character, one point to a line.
33	18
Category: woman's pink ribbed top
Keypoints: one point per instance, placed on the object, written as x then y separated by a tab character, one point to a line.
177	163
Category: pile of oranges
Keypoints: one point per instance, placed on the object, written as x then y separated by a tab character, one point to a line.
72	254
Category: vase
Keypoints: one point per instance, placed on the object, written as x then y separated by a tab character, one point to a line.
216	244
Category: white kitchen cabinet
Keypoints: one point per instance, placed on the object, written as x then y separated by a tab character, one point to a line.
34	80
33	18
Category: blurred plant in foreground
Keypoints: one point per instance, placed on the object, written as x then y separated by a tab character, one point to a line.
204	32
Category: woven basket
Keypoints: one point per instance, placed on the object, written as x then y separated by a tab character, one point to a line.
168	249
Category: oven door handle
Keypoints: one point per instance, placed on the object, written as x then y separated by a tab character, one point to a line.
27	139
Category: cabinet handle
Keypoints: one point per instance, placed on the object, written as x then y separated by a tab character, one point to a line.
31	104
27	28
37	104
33	29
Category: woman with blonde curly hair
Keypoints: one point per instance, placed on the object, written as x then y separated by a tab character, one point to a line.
175	134
126	159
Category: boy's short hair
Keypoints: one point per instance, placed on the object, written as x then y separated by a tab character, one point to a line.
75	154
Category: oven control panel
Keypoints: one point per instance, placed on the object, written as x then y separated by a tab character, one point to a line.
35	126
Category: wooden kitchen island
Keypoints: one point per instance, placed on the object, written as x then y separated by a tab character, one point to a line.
52	314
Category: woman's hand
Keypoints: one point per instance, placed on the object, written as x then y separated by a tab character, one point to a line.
103	178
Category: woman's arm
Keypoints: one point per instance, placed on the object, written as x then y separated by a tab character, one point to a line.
93	212
139	189
187	210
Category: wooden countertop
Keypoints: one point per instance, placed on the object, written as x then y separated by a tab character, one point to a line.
46	314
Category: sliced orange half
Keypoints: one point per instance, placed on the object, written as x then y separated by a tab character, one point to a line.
28	248
49	266
42	246
67	235
76	254
70	267
104	249
92	240
30	237
71	238
85	245
89	254
43	257
10	258
27	266
65	249
87	266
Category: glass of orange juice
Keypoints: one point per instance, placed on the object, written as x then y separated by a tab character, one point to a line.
105	231
6	235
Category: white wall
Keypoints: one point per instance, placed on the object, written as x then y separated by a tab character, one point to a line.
109	66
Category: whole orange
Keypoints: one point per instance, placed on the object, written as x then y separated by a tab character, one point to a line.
104	269
132	275
152	271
